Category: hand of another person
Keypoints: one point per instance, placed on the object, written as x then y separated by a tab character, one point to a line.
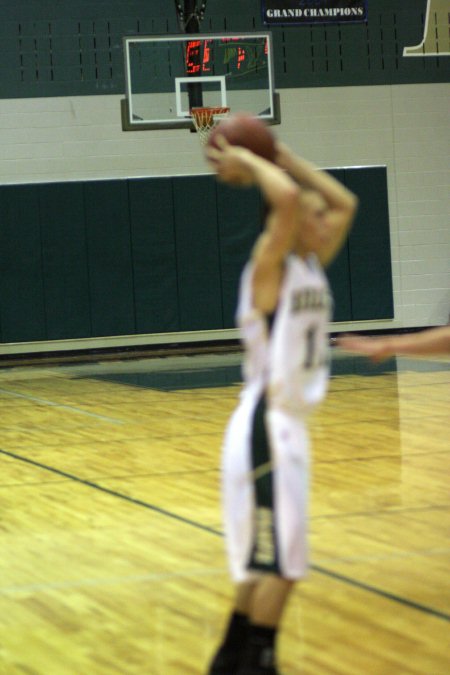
375	348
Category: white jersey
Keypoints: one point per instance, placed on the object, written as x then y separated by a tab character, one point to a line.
290	362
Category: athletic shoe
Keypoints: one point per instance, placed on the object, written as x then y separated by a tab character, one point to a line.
225	662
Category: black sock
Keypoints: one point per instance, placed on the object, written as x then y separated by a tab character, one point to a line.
227	657
260	650
237	630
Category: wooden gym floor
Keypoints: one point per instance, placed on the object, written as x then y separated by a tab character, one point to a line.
111	549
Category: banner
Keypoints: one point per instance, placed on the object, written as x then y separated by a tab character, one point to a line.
313	11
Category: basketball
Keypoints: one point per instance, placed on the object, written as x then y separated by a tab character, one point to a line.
247	131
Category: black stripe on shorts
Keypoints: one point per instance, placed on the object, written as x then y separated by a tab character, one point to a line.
264	555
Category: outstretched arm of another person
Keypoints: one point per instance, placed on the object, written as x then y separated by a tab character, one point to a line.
427	342
342	203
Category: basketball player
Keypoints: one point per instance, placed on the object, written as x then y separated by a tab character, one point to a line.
427	342
283	310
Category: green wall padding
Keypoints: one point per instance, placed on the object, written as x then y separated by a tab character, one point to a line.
109	257
157	255
21	281
64	258
369	246
338	274
197	253
153	250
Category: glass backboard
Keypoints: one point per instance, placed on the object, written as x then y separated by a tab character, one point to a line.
168	75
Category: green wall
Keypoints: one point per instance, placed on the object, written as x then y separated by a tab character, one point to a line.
74	47
156	255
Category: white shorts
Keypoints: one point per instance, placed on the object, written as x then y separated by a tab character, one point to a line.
265	492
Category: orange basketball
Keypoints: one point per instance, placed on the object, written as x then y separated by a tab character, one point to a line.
247	131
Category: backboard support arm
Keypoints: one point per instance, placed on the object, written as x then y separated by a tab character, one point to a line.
192	19
189	16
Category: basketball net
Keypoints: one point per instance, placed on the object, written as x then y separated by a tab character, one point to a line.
206	119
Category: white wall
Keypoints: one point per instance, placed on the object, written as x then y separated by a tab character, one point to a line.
405	127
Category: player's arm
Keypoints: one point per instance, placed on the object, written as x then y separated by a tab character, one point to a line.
342	203
427	342
238	165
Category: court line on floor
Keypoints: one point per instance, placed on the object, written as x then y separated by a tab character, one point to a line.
428	553
317	568
53	404
382	593
393	511
113	493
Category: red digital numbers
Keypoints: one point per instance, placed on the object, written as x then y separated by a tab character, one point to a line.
234	55
206	56
198	55
240	57
193	62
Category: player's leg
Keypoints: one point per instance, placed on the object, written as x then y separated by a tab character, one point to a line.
237	492
268	596
280	539
268	601
248	645
229	655
265	524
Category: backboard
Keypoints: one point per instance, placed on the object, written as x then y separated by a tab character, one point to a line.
168	75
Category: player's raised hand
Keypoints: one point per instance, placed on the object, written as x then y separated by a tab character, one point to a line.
284	157
232	163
